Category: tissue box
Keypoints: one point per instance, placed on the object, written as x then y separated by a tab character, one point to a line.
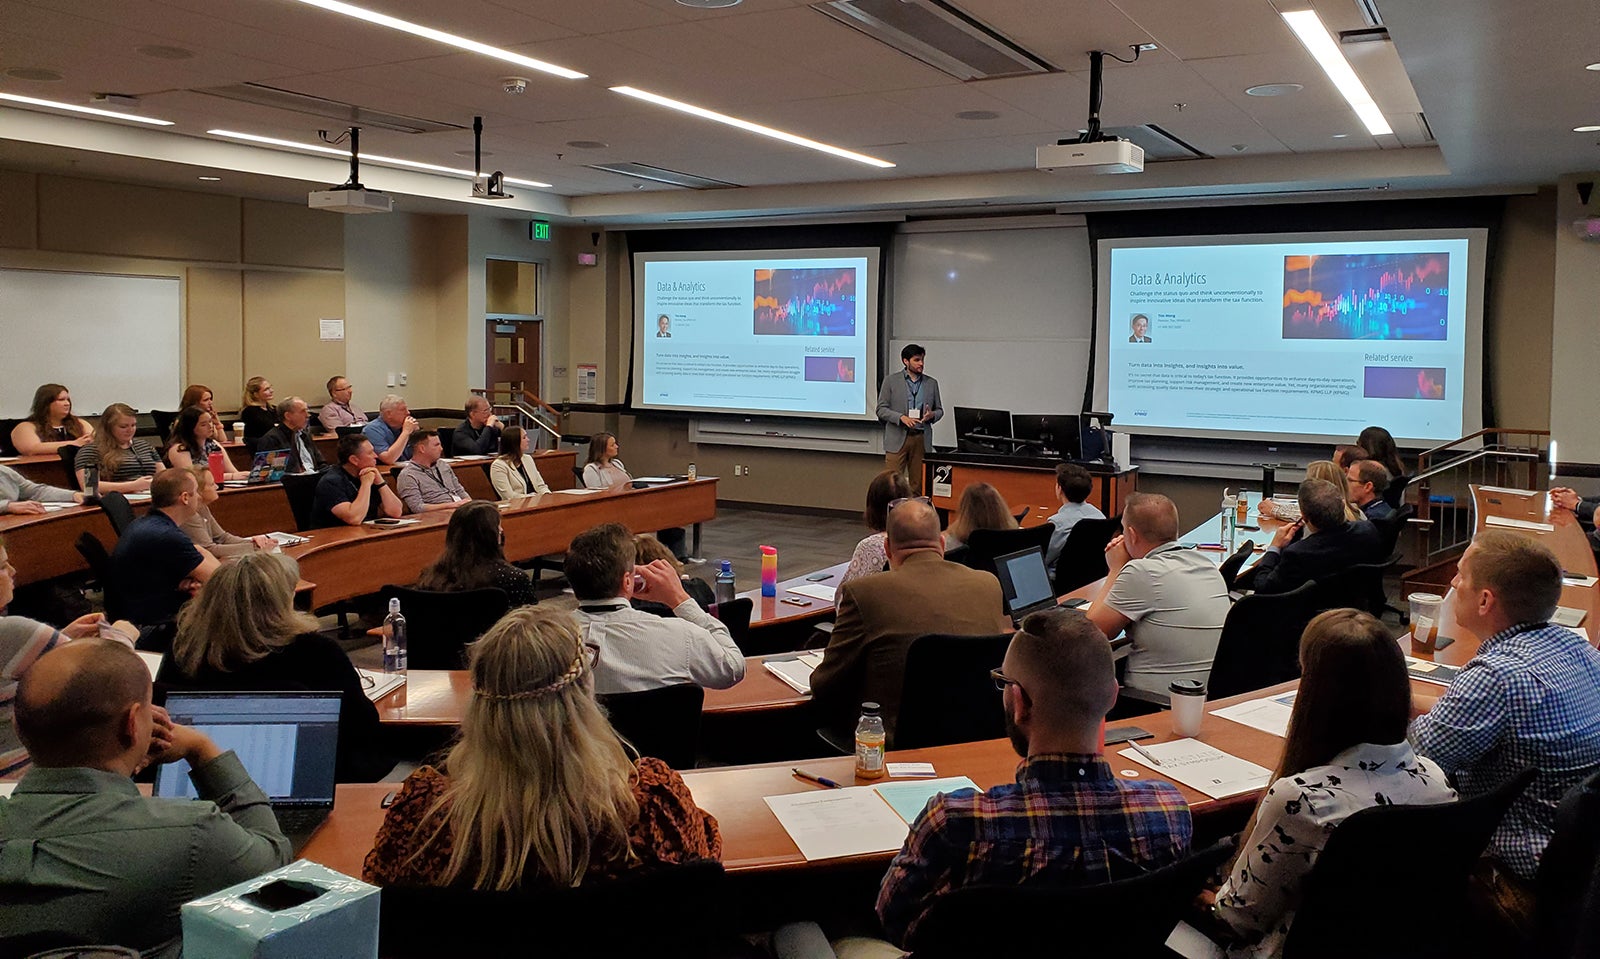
302	910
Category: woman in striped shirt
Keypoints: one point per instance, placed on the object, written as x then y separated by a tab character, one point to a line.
126	464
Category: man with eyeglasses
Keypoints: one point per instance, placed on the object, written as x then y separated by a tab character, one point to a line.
880	615
1078	821
340	410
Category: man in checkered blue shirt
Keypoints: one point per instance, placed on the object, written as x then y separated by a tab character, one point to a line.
1530	697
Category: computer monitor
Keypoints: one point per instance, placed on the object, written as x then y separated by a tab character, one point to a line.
974	424
1094	436
1024	582
1047	434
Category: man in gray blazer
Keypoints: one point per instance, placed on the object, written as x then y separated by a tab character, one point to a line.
908	403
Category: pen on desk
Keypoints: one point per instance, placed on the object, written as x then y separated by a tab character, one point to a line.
1141	751
819	780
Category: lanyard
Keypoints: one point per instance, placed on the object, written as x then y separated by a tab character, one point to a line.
914	391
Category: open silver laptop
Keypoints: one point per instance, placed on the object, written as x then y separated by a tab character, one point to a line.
1024	582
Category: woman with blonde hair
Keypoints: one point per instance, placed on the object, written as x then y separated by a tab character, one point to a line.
1330	471
538	790
207	533
126	464
981	507
242	632
50	424
256	411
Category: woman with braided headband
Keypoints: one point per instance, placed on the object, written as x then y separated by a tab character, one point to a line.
538	790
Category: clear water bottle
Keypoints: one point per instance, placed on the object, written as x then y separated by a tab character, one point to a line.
91	482
394	639
870	739
723	589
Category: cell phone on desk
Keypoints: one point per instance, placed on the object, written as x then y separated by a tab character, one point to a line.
386	521
1074	602
818	577
1126	734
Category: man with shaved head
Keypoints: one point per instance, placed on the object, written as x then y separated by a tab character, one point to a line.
1171	600
879	615
81	851
1078	822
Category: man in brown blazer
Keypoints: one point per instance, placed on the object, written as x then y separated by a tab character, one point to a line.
879	616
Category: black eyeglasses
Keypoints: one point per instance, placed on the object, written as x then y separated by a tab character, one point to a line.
909	499
1001	680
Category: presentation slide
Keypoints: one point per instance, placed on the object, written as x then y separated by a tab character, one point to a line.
1301	337
790	332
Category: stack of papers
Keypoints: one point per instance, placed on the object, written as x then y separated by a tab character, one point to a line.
378	685
857	820
1270	714
1202	768
578	489
814	590
1573	579
1512	523
1568	617
796	672
1430	672
288	539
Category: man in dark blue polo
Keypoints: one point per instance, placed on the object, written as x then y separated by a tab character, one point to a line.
354	492
156	567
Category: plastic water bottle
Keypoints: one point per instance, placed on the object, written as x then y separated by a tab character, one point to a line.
394	639
870	738
91	482
1230	505
723	588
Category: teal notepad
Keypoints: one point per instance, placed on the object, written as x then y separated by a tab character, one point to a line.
908	799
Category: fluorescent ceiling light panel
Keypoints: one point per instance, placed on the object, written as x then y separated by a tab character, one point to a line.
1321	45
749	127
365	157
54	105
439	36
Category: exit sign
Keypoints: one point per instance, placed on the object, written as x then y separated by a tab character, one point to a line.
539	230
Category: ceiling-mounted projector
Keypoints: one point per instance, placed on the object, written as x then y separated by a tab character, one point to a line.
351	201
1105	156
491	187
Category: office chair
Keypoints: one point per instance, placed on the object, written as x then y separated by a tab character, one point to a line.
664	723
1567	870
163	420
949	696
117	511
69	455
440	625
447	437
301	491
984	545
735	614
1260	642
1083	555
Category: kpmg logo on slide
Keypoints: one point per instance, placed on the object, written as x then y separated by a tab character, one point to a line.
812	302
1366	296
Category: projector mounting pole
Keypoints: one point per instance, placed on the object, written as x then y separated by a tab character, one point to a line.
477	146
1097	67
355	161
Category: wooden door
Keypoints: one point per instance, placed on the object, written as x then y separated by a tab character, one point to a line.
512	359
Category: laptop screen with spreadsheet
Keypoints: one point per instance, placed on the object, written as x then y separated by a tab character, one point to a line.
288	741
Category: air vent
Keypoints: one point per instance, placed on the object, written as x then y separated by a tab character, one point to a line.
345	113
655	174
1158	144
937	34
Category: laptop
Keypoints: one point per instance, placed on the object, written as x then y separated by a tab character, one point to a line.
1024	582
268	467
287	741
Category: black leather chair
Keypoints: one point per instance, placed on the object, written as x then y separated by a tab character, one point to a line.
1361	897
343	431
447	438
664	723
7	448
577	474
665	911
301	491
69	455
735	614
1396	492
1357	587
984	545
1260	642
440	625
117	510
163	420
949	696
94	554
1083	555
1568	869
1390	529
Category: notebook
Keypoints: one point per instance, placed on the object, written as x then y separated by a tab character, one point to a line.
1024	582
287	741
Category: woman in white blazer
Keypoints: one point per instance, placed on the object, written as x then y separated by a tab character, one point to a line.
512	472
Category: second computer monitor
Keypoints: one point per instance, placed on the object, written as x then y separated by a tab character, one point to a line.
1047	434
974	425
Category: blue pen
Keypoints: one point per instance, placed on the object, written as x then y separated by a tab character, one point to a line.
819	780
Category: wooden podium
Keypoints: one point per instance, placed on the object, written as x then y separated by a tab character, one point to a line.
1023	481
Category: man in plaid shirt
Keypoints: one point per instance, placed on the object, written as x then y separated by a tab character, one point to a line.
1068	819
1530	697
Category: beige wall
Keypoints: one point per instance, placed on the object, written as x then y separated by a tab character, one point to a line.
1521	301
1575	342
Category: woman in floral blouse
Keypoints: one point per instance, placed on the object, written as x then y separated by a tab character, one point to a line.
872	552
538	790
1345	751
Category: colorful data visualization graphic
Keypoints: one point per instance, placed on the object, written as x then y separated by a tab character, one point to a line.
815	302
1366	296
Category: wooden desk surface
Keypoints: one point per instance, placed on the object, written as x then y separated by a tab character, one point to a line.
771	611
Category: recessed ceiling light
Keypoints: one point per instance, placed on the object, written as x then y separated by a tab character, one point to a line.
1239	147
587	144
1340	136
210	179
52	104
1274	89
1322	46
710	4
1591	128
1593	66
977	115
440	36
749	127
365	157
36	74
161	52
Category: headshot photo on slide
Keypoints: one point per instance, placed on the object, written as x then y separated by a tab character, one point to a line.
1139	329
664	326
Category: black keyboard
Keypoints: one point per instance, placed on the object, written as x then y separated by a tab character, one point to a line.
293	820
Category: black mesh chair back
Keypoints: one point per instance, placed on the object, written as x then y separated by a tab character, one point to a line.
1128	917
1568	869
949	696
69	456
1360	898
440	625
163	420
1359	586
1260	642
301	491
118	511
664	723
1389	530
984	545
1396	491
577	474
1083	555
447	438
735	614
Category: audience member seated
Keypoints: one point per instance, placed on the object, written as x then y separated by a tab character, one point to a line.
391	432
20	495
1380	446
340	410
1345	750
981	507
1073	485
473	557
879	616
1584	506
194	439
242	632
354	492
1529	698
605	471
479	433
1068	819
1170	600
256	410
1367	480
1331	543
647	549
125	464
201	396
80	849
513	472
50	424
638	651
1333	473
871	555
22	642
155	566
426	483
1345	453
538	791
293	433
208	534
